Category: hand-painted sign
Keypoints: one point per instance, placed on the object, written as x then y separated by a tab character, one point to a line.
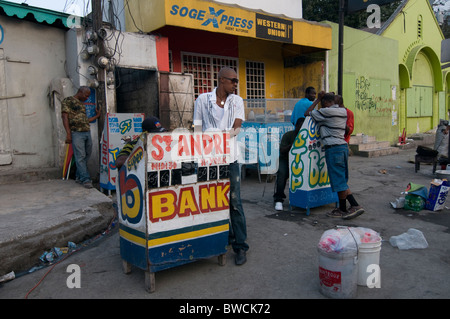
118	127
166	225
309	184
185	146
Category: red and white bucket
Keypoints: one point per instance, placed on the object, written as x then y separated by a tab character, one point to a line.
338	259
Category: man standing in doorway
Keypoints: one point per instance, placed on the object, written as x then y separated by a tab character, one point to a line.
78	131
302	105
223	110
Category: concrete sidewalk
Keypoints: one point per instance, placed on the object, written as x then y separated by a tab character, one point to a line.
36	216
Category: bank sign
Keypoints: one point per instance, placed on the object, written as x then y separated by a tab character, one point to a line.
216	18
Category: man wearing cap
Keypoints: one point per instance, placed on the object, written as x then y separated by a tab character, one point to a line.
149	125
223	110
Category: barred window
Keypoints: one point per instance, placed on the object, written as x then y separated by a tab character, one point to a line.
205	69
255	82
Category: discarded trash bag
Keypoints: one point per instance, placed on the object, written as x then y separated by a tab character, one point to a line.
338	240
416	197
412	239
399	203
417	189
414	203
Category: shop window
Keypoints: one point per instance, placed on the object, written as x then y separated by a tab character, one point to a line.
205	69
255	78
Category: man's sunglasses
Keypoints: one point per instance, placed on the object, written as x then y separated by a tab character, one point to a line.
234	80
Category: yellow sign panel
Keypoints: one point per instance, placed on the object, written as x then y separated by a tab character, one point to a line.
210	16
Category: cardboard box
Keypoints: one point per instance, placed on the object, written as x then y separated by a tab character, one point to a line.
437	195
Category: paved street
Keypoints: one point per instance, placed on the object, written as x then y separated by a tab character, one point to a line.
283	258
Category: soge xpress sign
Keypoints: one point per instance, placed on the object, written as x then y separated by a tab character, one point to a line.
217	18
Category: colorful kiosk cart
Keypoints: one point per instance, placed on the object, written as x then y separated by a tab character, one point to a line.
118	128
172	195
309	184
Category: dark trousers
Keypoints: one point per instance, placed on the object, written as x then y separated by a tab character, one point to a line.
282	177
238	226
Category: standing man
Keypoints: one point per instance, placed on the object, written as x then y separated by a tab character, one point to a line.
332	121
283	164
223	110
78	131
350	118
302	105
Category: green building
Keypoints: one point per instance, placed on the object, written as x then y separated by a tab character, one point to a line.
392	75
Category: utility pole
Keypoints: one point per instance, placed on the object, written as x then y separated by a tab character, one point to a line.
97	24
341	46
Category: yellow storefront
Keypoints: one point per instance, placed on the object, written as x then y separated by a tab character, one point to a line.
275	57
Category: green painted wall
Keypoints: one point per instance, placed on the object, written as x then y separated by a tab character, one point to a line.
419	48
370	85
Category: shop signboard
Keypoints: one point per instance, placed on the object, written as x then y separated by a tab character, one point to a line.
309	183
118	128
173	199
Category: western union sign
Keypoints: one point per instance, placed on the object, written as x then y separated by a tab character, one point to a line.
210	16
272	28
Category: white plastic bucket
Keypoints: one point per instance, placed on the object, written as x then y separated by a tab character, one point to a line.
369	254
338	274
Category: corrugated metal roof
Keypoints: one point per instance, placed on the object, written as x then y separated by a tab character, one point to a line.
40	15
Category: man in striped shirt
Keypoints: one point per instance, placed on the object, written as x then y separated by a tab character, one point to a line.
332	120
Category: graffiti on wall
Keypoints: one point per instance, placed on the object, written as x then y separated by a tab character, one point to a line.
363	99
373	95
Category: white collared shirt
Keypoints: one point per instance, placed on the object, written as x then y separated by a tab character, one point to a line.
211	117
208	115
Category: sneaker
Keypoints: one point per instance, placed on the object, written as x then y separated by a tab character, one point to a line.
352	212
278	206
336	213
87	185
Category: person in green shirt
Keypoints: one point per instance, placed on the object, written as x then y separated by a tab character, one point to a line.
283	164
78	131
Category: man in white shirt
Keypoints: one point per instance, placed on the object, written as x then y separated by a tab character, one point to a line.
222	110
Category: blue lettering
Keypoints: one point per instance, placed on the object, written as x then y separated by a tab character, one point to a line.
214	15
174	10
193	14
224	18
183	12
201	14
